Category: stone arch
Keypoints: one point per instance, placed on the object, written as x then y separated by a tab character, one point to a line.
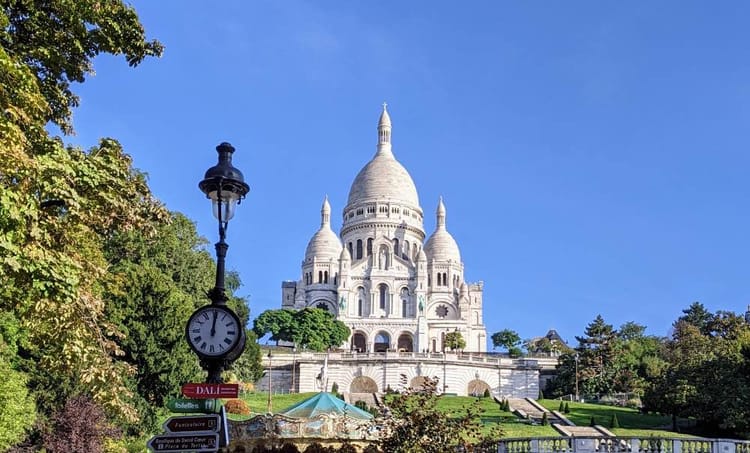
363	384
359	341
405	342
382	342
417	383
477	387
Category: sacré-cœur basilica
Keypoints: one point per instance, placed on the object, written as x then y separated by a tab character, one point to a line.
399	291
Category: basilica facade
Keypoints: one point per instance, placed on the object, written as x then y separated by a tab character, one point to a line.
395	290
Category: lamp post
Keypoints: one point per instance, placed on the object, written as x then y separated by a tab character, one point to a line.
214	331
576	358
269	407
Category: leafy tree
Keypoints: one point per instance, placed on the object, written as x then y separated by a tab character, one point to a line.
57	40
454	340
697	315
596	355
505	338
318	330
58	204
279	323
312	328
417	426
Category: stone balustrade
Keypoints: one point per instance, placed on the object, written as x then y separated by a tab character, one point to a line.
621	444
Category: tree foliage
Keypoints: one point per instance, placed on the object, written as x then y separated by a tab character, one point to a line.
416	425
454	340
505	338
58	39
18	410
58	204
311	328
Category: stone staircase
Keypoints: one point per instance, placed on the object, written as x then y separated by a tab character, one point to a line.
528	408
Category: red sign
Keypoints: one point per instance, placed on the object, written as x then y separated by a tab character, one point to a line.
206	391
192	423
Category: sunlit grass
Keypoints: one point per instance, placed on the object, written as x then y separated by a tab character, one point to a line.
581	414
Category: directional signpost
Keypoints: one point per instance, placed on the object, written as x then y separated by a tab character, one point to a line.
187	406
205	391
193	423
198	442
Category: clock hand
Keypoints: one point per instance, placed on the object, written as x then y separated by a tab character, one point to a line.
213	325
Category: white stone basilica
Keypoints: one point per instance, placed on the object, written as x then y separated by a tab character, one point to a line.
395	291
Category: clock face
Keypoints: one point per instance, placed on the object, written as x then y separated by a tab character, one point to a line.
213	331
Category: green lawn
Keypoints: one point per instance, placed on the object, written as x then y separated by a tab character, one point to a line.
632	423
581	413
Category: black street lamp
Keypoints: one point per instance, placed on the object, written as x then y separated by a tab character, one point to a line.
214	331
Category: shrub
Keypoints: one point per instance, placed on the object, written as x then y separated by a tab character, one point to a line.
614	423
486	393
545	420
335	388
236	406
567	408
361	404
634	403
541	395
562	407
592	422
81	425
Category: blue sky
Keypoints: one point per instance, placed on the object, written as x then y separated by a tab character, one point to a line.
592	155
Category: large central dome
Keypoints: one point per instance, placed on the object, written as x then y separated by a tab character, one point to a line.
383	178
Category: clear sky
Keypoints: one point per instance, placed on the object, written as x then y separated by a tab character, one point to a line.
593	156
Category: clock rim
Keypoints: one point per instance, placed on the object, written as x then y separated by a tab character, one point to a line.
231	348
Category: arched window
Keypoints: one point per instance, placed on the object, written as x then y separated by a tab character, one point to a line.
351	251
336	278
429	280
383	290
406	250
445	279
360	306
369	246
359	249
395	246
439	279
325	277
320	276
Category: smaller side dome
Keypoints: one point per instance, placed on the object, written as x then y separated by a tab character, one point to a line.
421	256
441	246
324	244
